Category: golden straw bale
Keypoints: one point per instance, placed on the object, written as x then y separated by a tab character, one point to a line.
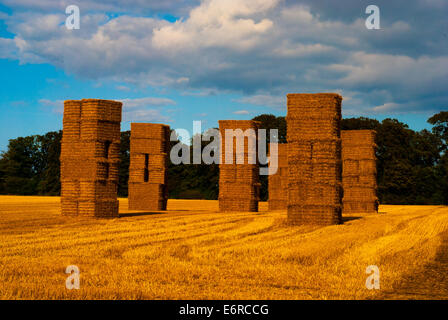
90	157
278	182
359	171
239	186
314	159
149	151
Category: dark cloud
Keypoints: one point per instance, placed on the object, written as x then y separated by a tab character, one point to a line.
261	48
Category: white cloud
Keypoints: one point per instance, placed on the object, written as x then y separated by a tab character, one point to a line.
217	23
241	112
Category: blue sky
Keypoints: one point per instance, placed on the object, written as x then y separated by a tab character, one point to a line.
177	61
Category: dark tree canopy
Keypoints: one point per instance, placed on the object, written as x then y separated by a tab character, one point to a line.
269	121
440	127
31	165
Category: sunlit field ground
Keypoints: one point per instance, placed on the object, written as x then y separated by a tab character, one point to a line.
194	252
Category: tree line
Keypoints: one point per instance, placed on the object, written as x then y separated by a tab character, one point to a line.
412	165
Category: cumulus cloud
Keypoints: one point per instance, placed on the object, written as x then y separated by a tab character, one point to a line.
217	23
260	49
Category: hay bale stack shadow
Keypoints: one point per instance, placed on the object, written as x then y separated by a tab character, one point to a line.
139	214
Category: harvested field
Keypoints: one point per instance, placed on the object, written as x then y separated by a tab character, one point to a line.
192	251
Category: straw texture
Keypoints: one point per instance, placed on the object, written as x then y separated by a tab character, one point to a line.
278	183
359	171
90	157
239	186
148	166
314	159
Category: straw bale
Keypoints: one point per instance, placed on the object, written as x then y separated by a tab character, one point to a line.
90	157
278	182
314	159
147	196
239	186
148	166
359	171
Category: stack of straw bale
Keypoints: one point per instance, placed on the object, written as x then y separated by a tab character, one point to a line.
314	159
278	182
359	171
90	157
150	145
239	184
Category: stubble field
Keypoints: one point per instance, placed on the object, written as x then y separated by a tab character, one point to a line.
194	252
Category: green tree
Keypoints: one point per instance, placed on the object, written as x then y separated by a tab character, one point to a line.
20	165
269	121
440	123
361	123
193	181
440	129
48	172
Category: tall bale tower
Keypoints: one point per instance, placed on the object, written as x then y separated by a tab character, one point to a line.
150	144
314	158
359	171
278	183
90	157
239	184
